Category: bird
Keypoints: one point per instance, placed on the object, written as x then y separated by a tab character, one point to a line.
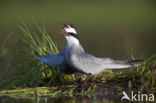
73	58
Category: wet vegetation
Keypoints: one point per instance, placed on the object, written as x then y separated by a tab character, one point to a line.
28	77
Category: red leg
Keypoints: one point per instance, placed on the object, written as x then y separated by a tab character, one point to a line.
86	100
85	82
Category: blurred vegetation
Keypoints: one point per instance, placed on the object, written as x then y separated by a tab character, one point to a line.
129	24
26	71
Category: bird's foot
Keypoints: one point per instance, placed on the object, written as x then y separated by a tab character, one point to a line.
85	82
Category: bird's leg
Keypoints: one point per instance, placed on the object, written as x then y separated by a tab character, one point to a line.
86	99
85	82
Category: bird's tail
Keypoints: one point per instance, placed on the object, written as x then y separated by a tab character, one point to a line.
42	58
135	63
118	64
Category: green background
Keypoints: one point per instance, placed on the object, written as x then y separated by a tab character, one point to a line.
106	28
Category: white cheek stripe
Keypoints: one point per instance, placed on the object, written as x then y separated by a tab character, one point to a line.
71	30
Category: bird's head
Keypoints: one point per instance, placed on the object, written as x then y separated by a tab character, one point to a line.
69	31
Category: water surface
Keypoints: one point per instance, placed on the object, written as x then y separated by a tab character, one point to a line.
80	99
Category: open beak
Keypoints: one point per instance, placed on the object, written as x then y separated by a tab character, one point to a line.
65	26
63	32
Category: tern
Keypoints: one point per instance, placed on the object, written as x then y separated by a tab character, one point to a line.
73	57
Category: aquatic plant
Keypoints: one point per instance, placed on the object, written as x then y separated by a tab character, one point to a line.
25	70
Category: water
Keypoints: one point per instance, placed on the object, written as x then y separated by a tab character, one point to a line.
79	99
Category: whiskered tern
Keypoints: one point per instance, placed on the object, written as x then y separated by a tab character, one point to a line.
73	58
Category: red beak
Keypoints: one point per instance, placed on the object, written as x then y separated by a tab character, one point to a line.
64	33
65	26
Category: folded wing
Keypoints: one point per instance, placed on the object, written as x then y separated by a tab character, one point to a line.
89	64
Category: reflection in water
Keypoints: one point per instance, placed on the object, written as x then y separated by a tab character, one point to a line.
79	99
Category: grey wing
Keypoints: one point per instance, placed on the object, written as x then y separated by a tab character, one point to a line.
52	59
89	64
